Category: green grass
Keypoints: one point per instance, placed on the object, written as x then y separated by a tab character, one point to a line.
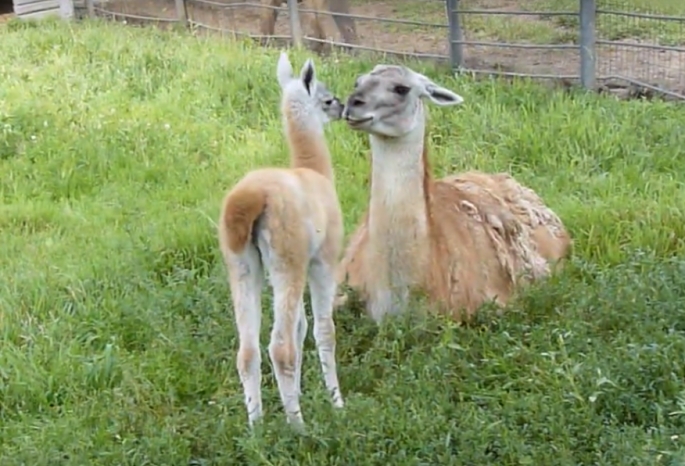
117	338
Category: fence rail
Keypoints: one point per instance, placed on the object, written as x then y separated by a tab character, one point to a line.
624	46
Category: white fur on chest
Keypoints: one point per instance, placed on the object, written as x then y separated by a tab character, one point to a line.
398	225
397	191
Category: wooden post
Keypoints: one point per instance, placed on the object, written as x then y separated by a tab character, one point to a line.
182	13
456	35
90	7
295	25
588	50
66	9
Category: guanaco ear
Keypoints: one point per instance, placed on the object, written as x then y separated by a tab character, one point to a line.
443	96
308	75
284	70
437	94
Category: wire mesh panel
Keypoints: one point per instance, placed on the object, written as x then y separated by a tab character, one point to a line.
520	37
643	43
239	18
635	41
405	27
160	12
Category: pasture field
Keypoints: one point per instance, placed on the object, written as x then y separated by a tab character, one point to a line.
117	343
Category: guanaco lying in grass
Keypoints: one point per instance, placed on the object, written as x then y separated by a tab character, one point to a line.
463	240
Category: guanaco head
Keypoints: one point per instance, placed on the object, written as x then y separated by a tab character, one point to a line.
388	100
311	97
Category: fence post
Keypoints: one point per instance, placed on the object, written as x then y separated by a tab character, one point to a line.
182	13
588	50
295	26
455	34
66	8
90	7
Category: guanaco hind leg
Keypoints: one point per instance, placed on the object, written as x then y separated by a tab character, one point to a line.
301	336
288	288
246	282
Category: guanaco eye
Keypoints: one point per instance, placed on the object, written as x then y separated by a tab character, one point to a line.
329	102
401	90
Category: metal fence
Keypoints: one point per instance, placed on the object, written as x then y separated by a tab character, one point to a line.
624	46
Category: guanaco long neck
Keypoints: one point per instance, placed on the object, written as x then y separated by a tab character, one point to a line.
398	212
306	140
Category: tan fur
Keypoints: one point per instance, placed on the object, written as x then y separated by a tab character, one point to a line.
241	208
316	21
307	152
545	228
285	195
486	234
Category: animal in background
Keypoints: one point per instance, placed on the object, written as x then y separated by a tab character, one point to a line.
345	24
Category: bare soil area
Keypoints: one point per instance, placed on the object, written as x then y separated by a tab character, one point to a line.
659	68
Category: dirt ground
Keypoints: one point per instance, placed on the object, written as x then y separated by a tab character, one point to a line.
663	68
